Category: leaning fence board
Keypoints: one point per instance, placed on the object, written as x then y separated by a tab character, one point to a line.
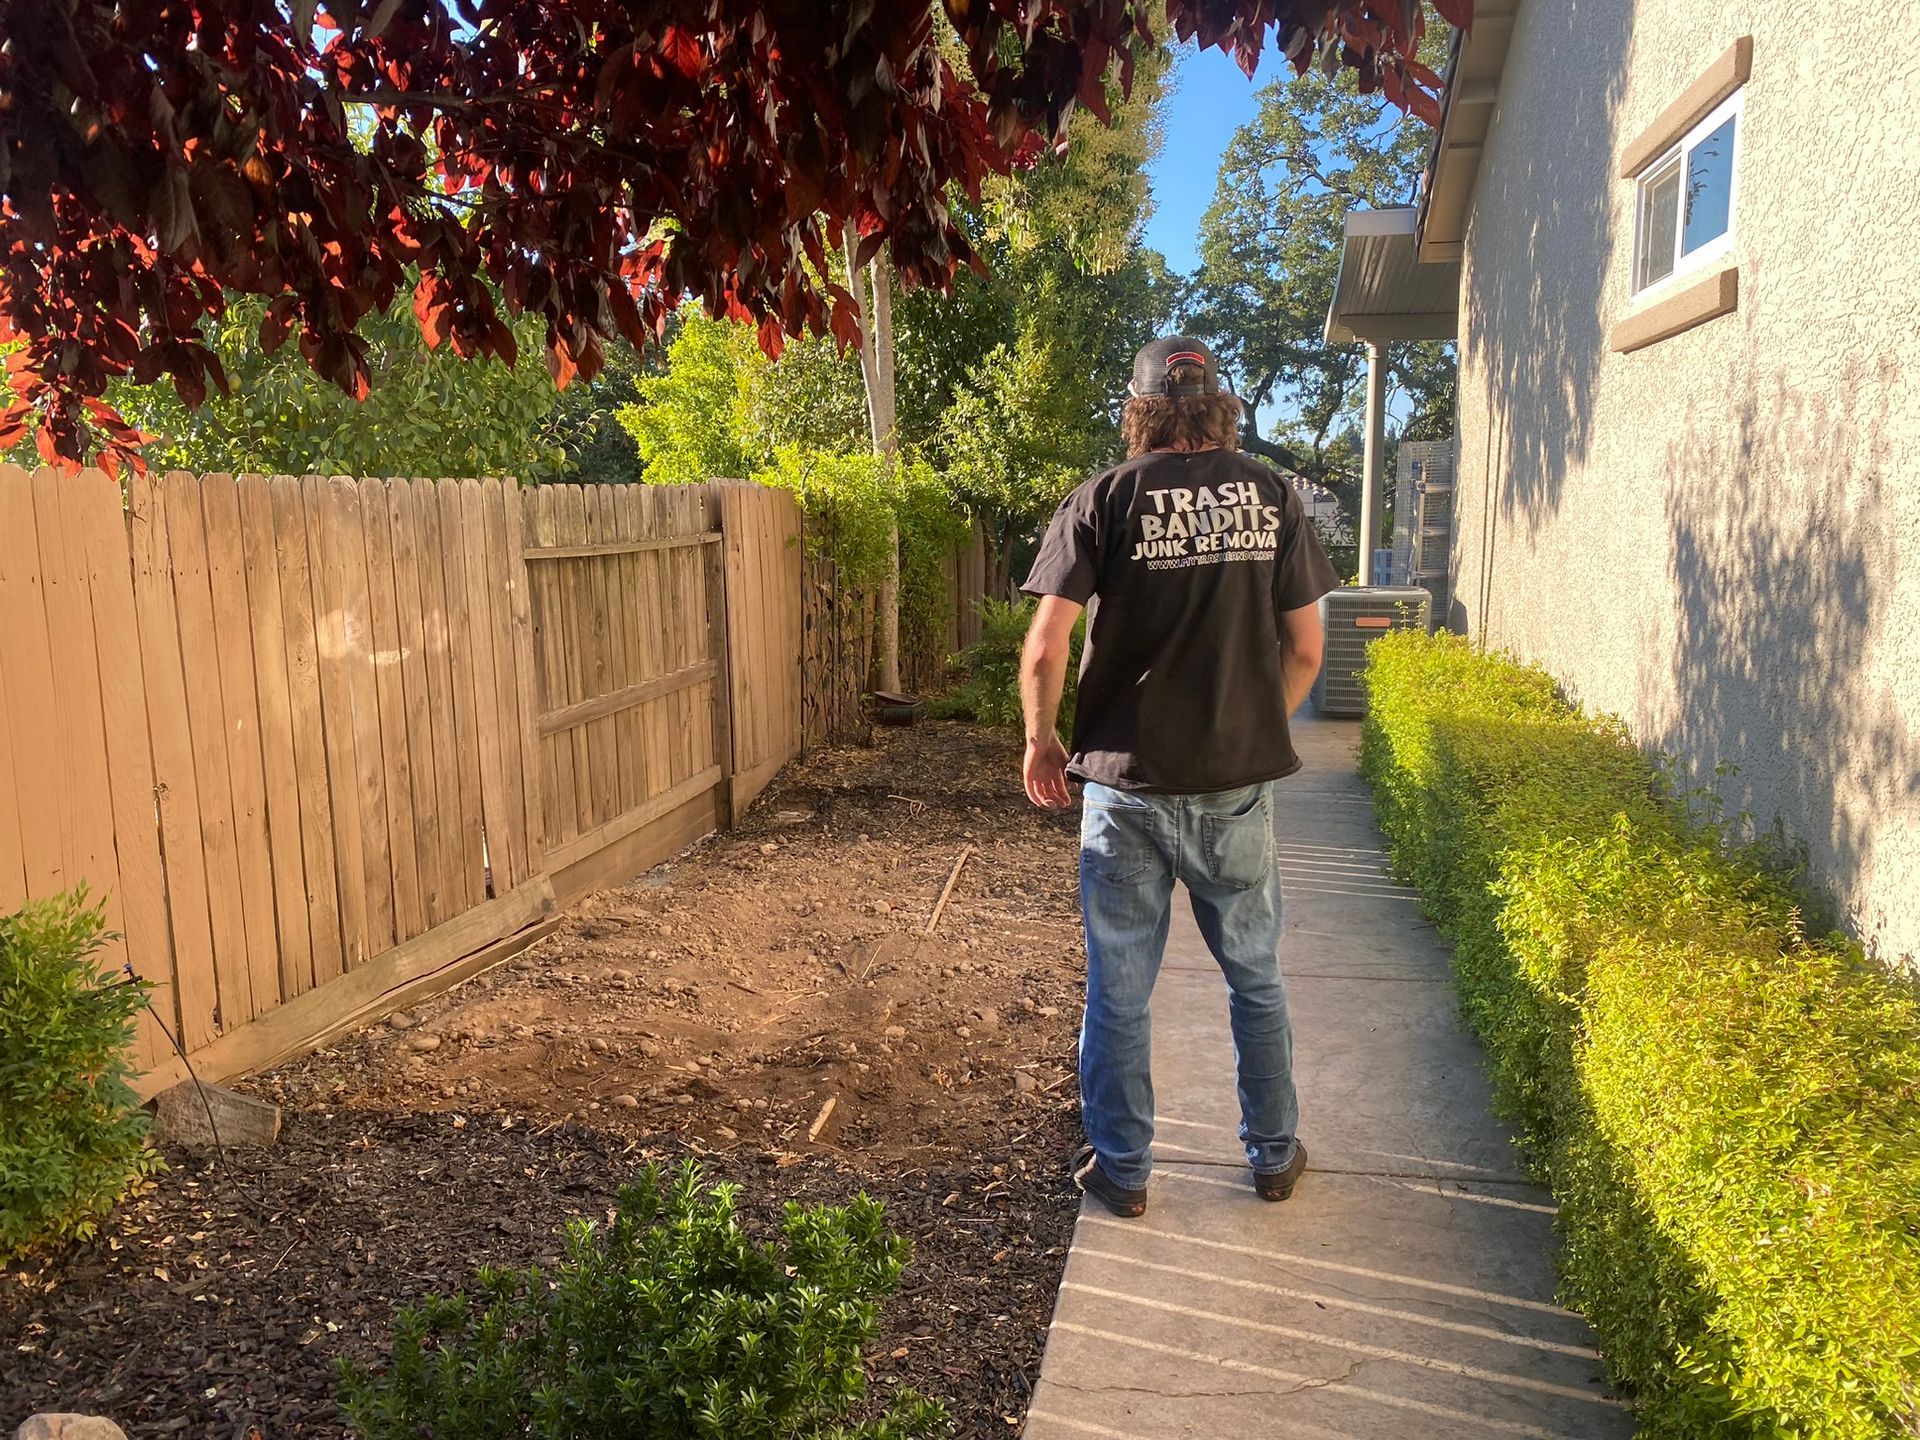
556	752
13	874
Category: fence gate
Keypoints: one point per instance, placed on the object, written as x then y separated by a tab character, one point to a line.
628	643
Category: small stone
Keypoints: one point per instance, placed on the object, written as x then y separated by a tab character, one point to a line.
650	1049
964	1033
881	907
761	1105
769	848
1024	1083
987	1016
401	1020
446	1092
424	1044
625	1102
726	1132
682	1099
895	1032
620	975
50	1425
1026	1003
743	1104
1047	1012
598	1046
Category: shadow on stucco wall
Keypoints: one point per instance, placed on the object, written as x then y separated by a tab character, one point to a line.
1781	557
1532	299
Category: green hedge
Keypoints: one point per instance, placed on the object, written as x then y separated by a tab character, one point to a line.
1727	1108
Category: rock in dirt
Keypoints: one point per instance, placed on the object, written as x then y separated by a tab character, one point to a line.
401	1020
895	1032
1024	1083
650	1049
598	1046
424	1044
181	1117
987	1016
50	1426
625	1102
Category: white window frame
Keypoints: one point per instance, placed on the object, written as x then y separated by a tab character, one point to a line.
1721	245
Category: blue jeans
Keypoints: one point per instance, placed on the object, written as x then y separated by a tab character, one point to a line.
1132	849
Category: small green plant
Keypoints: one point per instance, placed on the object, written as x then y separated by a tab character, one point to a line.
668	1323
72	1133
990	693
1726	1105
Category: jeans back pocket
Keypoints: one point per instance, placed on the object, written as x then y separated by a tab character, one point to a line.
1119	837
1239	843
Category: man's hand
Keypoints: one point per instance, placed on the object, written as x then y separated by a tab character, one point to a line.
1043	674
1045	771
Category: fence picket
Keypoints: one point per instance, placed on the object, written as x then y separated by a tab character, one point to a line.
233	622
291	553
383	658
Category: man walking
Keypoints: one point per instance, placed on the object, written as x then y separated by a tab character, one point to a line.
1199	573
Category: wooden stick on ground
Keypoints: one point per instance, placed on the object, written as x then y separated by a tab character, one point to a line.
820	1120
947	894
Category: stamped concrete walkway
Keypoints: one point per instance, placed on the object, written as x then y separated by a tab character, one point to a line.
1407	1287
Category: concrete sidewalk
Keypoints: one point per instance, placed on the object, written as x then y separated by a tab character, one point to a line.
1407	1287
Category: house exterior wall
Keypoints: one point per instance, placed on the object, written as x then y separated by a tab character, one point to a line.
1716	537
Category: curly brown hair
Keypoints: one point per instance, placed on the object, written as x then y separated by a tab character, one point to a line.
1180	422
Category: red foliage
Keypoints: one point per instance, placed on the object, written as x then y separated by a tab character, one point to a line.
592	161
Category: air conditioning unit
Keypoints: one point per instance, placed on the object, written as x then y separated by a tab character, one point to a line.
1354	617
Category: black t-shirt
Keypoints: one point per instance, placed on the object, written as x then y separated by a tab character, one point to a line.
1185	562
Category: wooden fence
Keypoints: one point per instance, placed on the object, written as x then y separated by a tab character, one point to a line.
322	743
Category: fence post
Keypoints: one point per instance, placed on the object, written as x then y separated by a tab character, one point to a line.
719	650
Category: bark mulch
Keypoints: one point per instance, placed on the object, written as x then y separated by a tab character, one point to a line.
710	1009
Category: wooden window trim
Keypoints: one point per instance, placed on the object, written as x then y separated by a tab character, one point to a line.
1726	75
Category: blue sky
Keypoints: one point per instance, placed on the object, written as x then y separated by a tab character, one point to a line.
1210	100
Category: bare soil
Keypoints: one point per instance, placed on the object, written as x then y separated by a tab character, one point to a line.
768	1003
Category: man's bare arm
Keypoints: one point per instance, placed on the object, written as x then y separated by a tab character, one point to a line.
1302	643
1043	675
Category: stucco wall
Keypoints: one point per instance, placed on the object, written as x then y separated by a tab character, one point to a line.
1716	537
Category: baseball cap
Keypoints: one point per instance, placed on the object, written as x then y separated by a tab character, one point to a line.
1157	359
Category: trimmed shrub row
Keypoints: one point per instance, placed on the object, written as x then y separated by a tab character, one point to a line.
1727	1108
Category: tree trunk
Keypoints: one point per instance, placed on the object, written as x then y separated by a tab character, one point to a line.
877	371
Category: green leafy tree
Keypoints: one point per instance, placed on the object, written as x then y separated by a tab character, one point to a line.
432	415
1269	254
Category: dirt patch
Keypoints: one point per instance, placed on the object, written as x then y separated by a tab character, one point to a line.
767	1003
729	996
